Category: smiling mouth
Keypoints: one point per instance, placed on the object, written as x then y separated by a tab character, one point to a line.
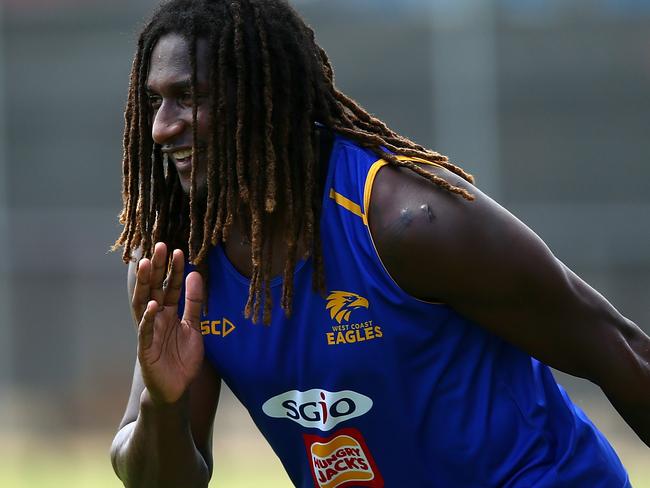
183	160
182	154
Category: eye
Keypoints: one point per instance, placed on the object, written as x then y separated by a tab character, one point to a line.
186	99
155	102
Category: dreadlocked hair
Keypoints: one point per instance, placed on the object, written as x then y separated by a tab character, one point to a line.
269	85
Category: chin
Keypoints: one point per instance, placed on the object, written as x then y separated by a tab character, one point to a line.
202	188
202	192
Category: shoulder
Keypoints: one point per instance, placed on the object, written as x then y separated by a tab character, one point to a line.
348	149
403	204
422	230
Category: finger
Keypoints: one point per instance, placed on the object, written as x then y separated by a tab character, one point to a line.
141	290
145	330
158	268
193	299
174	281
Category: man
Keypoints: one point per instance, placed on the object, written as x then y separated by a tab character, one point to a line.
401	305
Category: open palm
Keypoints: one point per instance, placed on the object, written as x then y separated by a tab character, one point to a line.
170	350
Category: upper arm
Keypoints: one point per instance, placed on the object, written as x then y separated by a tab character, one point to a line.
486	264
203	396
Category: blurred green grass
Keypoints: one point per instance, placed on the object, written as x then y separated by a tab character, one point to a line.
85	463
53	458
77	463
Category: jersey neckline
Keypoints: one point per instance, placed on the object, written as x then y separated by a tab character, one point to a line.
245	280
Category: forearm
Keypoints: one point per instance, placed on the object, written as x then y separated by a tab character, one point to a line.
158	450
637	417
629	389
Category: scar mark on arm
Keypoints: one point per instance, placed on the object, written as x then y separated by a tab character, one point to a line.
401	223
428	212
405	217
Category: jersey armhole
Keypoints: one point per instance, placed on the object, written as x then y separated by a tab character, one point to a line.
367	195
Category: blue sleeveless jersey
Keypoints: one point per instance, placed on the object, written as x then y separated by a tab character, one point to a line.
370	387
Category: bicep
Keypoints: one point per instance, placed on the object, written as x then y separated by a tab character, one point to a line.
491	268
524	294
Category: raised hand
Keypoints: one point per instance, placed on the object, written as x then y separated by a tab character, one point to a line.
170	350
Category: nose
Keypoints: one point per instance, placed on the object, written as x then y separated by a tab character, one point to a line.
166	125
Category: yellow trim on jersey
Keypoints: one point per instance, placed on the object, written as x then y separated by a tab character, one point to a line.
347	204
372	172
367	189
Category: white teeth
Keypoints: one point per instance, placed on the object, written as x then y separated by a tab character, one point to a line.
185	153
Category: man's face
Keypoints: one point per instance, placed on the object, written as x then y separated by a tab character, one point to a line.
169	89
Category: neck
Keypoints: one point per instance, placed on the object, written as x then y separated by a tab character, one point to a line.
238	247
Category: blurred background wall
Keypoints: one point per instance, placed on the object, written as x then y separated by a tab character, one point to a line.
545	101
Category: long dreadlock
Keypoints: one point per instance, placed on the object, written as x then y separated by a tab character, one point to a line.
269	83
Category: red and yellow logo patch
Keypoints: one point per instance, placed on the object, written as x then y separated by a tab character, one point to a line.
341	460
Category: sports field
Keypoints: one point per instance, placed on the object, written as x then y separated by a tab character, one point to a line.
87	465
84	463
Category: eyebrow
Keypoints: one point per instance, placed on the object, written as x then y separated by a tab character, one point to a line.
178	85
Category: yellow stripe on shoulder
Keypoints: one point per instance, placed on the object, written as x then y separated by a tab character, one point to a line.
355	208
367	191
372	172
347	204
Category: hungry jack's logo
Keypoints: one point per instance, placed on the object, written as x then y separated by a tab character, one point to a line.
341	460
341	304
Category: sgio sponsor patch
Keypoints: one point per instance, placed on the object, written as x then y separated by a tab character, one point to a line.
341	460
316	408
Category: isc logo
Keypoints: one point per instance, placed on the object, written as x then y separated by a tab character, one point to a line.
217	327
316	408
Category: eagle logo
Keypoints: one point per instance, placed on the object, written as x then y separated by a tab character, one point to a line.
341	303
